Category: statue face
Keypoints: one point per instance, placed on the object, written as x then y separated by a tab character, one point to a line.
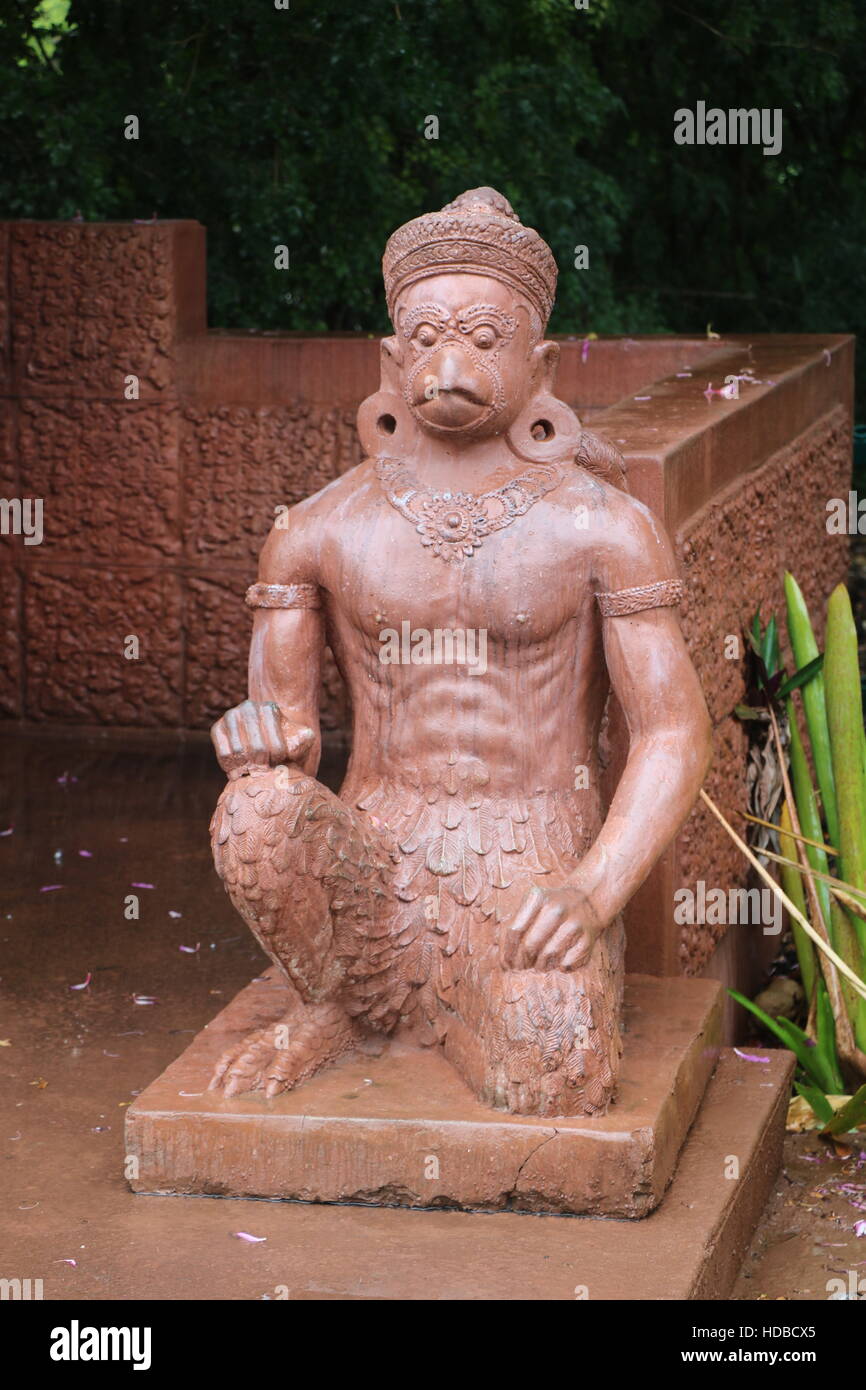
465	344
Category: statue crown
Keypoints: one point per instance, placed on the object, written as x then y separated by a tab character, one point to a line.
478	233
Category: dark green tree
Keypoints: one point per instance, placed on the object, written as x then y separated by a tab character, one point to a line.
306	127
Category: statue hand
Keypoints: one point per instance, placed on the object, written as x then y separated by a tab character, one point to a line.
553	929
255	735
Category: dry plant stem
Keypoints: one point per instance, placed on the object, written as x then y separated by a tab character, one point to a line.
851	903
838	887
849	1053
855	1059
858	985
771	825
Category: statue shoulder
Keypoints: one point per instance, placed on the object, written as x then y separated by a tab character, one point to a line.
629	543
291	554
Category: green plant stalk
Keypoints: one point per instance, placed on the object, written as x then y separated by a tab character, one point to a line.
793	886
845	722
808	815
805	649
826	1041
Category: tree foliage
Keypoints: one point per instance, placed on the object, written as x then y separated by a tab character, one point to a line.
306	127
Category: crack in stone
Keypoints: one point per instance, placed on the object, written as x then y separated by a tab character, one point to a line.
512	1192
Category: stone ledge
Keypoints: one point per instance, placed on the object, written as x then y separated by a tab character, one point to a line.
402	1128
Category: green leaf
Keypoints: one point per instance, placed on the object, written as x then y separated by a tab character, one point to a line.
818	1101
851	1116
807	1056
749	712
800	677
805	650
770	646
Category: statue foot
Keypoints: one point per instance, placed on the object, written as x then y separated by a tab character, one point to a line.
285	1053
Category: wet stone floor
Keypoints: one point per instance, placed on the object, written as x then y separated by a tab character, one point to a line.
95	1002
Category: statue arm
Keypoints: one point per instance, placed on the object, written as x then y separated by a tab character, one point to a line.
670	736
279	723
669	746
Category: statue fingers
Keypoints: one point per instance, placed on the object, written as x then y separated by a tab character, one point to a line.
246	742
570	942
535	942
270	724
232	757
512	932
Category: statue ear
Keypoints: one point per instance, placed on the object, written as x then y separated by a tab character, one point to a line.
546	430
545	360
390	362
385	425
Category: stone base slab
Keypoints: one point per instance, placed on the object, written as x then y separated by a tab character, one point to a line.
690	1247
402	1129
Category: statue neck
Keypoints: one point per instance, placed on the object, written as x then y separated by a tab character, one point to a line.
464	465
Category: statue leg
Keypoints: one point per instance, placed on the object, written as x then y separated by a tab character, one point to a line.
310	879
538	1042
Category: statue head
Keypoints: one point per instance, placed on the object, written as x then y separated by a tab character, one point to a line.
469	292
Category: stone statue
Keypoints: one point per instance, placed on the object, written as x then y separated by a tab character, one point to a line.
483	579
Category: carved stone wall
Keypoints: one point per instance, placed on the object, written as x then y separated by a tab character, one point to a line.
733	558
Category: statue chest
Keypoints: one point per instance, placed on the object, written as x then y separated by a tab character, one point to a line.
512	592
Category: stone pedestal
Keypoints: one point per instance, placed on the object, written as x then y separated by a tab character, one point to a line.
355	1147
402	1129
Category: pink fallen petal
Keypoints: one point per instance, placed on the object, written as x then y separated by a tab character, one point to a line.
144	999
750	1056
827	358
683	373
122	839
7	832
584	350
66	778
172	913
84	983
51	887
142	885
74	1263
643	398
190	1094
85	853
860	1228
191	950
110	1054
245	1235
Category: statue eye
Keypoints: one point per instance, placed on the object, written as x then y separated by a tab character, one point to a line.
425	334
484	337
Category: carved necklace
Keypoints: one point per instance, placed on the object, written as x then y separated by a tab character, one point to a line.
453	524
